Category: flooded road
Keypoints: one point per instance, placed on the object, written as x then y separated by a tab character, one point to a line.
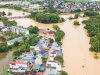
4	60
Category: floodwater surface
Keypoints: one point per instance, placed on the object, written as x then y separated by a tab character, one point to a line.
78	60
4	60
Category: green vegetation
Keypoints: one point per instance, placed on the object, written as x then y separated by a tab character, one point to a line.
3	47
9	13
60	43
85	21
33	40
76	16
59	59
51	40
70	18
2	38
6	22
76	23
9	35
51	10
93	27
44	60
46	18
2	14
56	27
32	29
64	73
96	56
23	48
59	35
34	52
91	13
77	10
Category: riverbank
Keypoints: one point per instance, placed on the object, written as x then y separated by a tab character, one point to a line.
4	60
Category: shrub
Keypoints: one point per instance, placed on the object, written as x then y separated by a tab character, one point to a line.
84	21
76	16
9	13
56	27
96	56
70	18
59	59
76	23
64	73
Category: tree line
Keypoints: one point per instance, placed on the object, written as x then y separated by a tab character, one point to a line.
46	18
93	27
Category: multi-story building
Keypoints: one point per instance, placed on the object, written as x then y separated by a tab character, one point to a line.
18	30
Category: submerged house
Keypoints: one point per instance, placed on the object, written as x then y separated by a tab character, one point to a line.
38	60
18	66
51	70
2	42
44	44
11	42
18	39
5	29
56	47
18	30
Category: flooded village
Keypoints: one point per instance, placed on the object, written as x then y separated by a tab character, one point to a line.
41	59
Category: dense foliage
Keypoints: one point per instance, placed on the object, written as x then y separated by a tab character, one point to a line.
33	40
2	38
76	23
46	18
6	22
76	16
59	59
91	13
64	73
32	29
59	35
56	27
3	47
9	13
93	27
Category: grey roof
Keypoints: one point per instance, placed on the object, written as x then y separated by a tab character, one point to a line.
51	70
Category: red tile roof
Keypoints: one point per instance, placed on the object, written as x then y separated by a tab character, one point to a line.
1	42
39	73
43	31
14	63
51	32
28	53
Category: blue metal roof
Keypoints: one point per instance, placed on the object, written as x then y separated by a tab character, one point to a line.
13	40
35	56
16	39
42	52
19	28
36	66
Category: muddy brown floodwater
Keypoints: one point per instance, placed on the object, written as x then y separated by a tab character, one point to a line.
78	60
4	60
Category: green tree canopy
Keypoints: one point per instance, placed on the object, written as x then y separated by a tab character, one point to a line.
59	59
3	47
33	29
